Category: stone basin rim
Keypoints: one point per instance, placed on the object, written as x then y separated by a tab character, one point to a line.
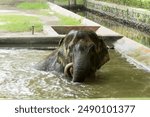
64	29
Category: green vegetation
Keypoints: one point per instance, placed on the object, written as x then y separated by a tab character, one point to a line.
19	23
64	20
32	5
39	7
135	3
80	1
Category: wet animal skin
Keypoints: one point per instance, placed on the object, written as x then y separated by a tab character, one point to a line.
79	55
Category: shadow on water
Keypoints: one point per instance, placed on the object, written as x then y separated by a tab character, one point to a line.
20	80
129	32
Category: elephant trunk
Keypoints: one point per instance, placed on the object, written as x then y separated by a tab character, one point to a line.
81	69
78	71
78	76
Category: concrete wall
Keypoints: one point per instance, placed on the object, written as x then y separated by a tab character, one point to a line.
135	53
134	15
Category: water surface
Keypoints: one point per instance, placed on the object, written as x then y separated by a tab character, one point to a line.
20	80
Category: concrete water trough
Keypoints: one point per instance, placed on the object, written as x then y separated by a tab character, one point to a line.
118	78
21	80
51	40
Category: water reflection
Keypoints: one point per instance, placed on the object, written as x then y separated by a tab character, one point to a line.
20	80
129	32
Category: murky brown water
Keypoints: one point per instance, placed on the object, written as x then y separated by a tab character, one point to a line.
20	80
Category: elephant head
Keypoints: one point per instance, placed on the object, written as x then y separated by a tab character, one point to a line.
82	53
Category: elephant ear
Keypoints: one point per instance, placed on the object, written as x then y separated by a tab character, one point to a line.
103	55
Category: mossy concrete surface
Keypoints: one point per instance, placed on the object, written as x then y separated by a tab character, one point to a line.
134	16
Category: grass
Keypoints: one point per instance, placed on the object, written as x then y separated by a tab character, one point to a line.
32	5
39	7
64	20
19	23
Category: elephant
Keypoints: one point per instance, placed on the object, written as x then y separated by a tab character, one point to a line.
79	55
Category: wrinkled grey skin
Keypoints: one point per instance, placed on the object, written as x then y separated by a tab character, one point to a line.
79	55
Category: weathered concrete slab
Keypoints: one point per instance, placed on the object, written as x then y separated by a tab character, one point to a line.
28	41
103	31
49	31
40	43
135	53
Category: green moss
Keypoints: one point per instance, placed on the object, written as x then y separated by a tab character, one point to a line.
33	5
19	23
